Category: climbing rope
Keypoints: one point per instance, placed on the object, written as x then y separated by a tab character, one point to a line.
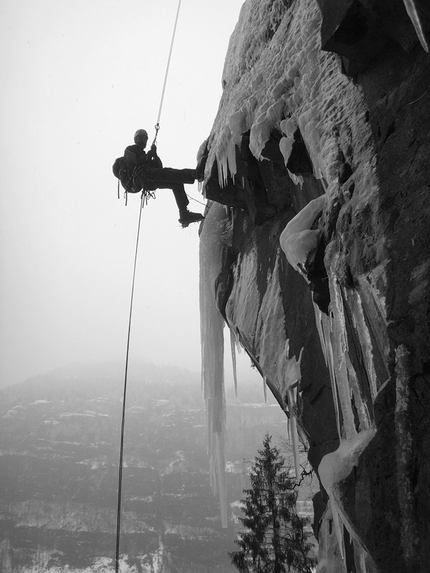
196	200
157	125
144	199
121	449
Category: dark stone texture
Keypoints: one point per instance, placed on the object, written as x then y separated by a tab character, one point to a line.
374	252
352	30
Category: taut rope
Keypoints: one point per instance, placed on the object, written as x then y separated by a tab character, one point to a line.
144	199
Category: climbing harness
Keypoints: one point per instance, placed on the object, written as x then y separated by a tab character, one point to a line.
146	194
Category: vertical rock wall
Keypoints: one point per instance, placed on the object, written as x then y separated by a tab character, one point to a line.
331	100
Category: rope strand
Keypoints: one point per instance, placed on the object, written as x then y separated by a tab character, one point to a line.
157	125
121	449
144	199
196	200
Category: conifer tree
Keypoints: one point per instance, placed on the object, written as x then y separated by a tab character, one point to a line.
274	539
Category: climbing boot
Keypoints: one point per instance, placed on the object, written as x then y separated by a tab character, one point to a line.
188	217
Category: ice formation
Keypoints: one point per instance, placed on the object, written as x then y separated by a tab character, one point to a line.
412	11
298	240
291	95
334	468
289	377
212	344
233	346
283	89
357	429
337	465
265	389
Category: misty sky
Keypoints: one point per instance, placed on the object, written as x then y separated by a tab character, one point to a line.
78	78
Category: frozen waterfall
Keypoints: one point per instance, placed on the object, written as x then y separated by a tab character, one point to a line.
212	345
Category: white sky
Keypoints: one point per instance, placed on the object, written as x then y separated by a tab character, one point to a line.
78	78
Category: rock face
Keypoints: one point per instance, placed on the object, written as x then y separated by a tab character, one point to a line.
59	441
330	101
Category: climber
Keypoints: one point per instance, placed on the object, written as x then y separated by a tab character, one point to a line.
143	171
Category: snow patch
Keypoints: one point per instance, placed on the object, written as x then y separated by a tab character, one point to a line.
297	239
337	465
334	468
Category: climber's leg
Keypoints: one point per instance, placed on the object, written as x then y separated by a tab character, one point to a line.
168	175
174	179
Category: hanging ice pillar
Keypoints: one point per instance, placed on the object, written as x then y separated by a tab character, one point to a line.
354	421
212	348
289	378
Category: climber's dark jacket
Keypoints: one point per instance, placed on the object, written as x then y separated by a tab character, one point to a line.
135	155
147	172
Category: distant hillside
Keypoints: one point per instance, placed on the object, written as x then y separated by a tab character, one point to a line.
59	442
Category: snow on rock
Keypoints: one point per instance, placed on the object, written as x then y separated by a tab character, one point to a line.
294	94
333	469
321	162
337	465
298	240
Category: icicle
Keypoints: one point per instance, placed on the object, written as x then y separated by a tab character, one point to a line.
412	11
342	373
233	359
335	467
360	402
220	463
360	555
226	155
340	351
294	434
212	346
285	147
320	324
231	159
337	525
325	339
357	311
265	389
269	116
289	377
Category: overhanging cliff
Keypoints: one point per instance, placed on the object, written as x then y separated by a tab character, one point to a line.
315	252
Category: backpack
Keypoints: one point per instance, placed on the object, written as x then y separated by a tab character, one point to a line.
118	168
123	174
132	180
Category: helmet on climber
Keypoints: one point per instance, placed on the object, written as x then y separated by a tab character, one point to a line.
141	136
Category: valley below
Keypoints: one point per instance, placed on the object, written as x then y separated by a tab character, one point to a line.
59	452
